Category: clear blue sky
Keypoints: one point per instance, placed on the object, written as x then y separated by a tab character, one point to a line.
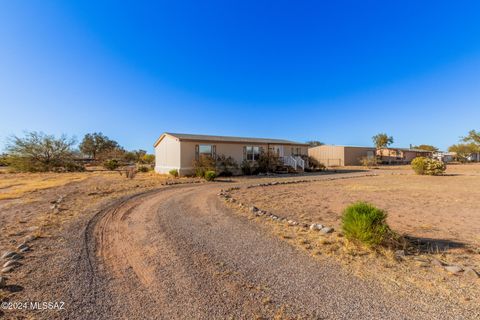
334	71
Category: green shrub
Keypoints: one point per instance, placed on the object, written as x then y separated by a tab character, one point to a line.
427	166
203	164
365	223
268	162
143	169
111	164
225	165
210	175
249	167
173	173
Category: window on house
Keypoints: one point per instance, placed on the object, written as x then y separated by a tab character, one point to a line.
253	153
205	150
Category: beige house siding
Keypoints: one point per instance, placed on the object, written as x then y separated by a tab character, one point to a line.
328	155
354	154
340	155
167	155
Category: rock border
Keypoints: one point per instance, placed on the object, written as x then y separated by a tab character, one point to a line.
226	195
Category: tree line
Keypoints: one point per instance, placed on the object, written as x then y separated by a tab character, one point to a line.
40	152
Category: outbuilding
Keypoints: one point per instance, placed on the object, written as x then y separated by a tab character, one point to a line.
331	155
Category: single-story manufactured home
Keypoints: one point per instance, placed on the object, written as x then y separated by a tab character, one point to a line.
179	151
331	155
401	155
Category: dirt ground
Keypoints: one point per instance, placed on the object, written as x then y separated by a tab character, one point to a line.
418	206
442	208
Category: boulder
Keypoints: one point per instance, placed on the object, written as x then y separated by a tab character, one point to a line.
3	283
10	263
7	254
471	273
7	269
453	269
326	230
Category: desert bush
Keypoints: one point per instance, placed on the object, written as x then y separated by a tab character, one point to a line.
210	175
39	152
368	161
268	162
315	165
365	223
148	159
427	166
249	167
173	173
202	165
143	169
111	164
225	165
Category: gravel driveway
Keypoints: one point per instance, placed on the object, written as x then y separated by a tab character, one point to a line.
179	253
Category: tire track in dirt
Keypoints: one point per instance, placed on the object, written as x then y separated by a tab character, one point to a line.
178	253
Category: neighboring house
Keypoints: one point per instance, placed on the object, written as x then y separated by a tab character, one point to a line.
445	157
474	157
401	155
331	155
179	151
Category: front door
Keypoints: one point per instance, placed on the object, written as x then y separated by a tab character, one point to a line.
279	150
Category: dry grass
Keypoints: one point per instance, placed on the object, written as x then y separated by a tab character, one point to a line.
14	186
417	205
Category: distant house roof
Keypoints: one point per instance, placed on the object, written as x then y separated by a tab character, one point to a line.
409	149
201	137
343	146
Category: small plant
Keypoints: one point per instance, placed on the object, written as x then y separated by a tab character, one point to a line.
225	166
365	223
427	166
210	175
315	165
368	162
173	173
203	164
111	164
130	172
143	169
248	167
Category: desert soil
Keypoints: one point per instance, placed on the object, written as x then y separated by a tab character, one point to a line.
442	208
140	249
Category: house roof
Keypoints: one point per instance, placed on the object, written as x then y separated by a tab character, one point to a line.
409	149
201	137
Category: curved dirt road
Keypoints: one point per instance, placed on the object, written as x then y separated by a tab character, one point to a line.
179	253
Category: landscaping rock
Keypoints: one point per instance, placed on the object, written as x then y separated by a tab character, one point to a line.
3	283
326	230
25	249
16	256
316	226
471	273
400	254
437	263
7	269
21	246
10	263
453	269
7	254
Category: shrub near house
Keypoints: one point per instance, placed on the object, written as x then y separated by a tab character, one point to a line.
427	166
